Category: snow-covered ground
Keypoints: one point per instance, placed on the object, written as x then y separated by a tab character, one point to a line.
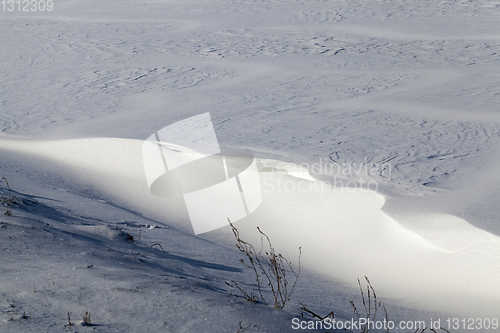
405	91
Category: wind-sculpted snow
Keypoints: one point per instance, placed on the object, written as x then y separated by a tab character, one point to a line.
398	100
418	153
346	223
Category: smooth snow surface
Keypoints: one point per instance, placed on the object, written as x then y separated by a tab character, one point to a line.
408	89
343	231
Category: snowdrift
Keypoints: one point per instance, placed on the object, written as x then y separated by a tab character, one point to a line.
443	263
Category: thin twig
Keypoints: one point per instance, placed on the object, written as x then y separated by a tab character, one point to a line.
270	270
158	245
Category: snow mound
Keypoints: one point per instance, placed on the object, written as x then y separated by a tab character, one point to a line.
343	232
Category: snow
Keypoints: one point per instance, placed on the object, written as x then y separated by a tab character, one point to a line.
407	89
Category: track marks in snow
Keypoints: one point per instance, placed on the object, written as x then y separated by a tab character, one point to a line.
410	155
82	70
312	16
419	153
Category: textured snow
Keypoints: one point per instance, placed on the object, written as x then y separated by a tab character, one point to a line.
412	85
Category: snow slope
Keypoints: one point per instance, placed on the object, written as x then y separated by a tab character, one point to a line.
409	84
